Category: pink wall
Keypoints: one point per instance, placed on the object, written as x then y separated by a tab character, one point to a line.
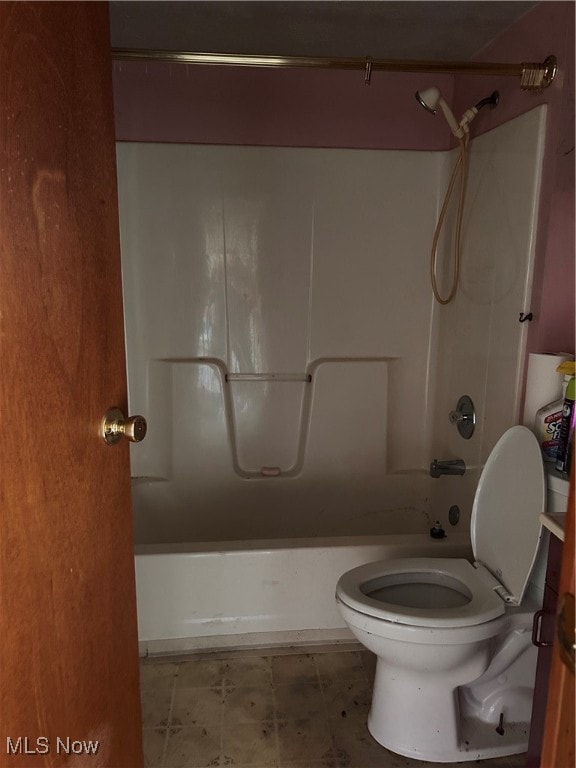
275	107
548	29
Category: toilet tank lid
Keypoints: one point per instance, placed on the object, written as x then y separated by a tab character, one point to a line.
505	526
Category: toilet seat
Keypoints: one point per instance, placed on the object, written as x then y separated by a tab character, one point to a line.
505	530
481	605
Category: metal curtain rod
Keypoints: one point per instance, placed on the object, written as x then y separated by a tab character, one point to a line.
533	76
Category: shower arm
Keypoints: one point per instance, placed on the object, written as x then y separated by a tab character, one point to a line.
533	76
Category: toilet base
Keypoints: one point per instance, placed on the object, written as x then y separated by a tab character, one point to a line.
451	715
441	718
479	741
417	712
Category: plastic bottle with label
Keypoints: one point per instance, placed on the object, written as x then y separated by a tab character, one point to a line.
567	428
548	419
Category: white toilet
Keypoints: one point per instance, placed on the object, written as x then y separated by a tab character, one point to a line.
455	662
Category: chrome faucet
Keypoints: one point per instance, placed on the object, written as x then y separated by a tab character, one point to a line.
455	467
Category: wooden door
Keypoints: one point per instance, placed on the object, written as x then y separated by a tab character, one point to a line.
558	748
69	690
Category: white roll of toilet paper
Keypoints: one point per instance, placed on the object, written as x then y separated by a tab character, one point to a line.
543	383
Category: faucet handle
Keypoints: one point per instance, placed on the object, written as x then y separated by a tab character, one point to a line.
464	417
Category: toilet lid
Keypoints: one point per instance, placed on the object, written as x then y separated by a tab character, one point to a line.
505	525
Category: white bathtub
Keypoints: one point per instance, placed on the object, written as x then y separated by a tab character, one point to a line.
258	593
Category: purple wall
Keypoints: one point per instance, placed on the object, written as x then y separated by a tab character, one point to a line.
274	107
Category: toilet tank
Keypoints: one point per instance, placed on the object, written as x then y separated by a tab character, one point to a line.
557	498
556	504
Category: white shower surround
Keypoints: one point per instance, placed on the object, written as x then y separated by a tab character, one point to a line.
305	261
315	262
276	261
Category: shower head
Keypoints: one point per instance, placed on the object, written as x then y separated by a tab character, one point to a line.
430	99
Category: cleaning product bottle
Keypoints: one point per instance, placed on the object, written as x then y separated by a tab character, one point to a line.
548	422
568	423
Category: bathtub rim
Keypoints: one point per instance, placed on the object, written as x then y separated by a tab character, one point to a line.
459	538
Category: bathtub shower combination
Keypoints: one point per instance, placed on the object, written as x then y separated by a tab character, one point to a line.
296	374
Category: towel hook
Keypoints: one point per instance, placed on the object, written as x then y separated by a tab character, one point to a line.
368	71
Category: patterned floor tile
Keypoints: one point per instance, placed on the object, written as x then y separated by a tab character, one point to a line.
352	740
347	699
193	747
305	739
250	744
369	663
516	761
302	699
292	710
293	669
157	676
196	706
155	707
340	666
200	673
154	741
248	704
248	671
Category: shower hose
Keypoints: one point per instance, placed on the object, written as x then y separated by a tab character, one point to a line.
461	168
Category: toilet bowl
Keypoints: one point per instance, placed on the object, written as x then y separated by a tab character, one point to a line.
455	662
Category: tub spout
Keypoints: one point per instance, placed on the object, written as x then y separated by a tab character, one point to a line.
455	467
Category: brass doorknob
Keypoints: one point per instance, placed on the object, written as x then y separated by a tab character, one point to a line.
115	426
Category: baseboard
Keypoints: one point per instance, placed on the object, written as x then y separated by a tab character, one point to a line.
253	640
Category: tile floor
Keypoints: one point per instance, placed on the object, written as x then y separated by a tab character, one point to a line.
280	708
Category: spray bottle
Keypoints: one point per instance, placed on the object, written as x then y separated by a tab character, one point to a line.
568	420
548	419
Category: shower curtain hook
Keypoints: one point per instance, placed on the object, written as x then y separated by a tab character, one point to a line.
368	70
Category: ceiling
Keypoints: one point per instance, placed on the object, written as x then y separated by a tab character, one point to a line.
387	30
